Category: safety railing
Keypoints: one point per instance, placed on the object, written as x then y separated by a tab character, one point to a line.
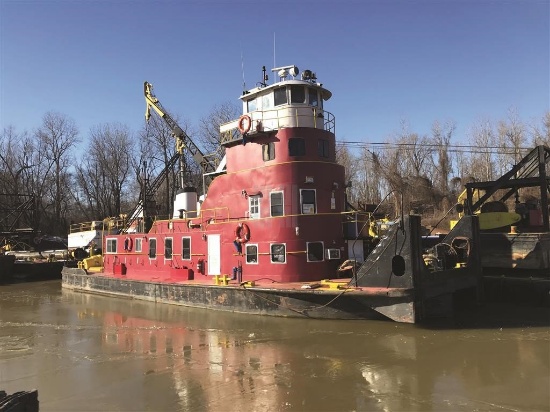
275	119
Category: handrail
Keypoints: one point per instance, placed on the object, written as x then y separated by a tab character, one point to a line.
294	116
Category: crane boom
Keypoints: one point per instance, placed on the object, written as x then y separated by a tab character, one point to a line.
182	139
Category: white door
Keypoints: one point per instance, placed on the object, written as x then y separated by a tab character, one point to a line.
214	265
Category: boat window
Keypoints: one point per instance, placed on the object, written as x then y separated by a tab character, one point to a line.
278	253
276	200
251	104
111	245
168	248
152	248
322	148
254	207
252	254
315	251
186	248
268	151
279	96
297	94
267	101
138	244
307	201
296	146
313	99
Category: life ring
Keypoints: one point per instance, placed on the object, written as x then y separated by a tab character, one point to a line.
245	123
128	244
242	233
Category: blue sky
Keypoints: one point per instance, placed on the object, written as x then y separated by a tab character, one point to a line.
384	61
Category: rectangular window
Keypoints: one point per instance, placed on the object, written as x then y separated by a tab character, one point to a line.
307	201
138	244
297	94
278	253
313	99
296	146
152	248
251	254
315	252
267	101
186	248
322	148
254	207
268	151
168	248
276	200
280	96
111	245
251	105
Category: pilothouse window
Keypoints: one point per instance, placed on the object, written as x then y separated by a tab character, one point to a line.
297	94
313	99
280	96
252	105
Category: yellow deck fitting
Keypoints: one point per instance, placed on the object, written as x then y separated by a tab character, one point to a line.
221	280
333	284
249	284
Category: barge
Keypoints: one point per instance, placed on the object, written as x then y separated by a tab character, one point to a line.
268	235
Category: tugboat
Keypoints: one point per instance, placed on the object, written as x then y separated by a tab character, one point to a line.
268	235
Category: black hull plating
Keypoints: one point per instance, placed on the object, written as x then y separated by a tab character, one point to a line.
315	304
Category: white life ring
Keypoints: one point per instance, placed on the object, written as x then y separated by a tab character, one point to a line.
245	123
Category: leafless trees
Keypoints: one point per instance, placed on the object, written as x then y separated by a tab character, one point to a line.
49	170
426	173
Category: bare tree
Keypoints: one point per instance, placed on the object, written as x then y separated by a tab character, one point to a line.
103	179
482	162
541	134
209	126
56	137
512	138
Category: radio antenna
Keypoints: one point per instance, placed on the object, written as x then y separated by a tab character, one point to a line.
274	65
242	68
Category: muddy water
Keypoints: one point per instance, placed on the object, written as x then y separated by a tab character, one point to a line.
92	353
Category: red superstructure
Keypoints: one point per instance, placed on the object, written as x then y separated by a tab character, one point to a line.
270	235
281	181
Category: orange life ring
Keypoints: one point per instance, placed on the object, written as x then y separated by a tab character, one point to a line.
245	123
242	233
128	244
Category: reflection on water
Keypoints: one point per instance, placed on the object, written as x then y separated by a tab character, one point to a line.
86	352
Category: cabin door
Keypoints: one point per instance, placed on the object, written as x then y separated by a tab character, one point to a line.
214	266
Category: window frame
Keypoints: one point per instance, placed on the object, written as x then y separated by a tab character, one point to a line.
166	249
302	201
247	255
251	199
138	242
282	205
323	148
312	91
322	251
296	146
152	240
183	248
294	91
271	254
112	242
268	151
276	95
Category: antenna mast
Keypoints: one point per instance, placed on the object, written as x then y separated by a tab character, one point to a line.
242	68
274	65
